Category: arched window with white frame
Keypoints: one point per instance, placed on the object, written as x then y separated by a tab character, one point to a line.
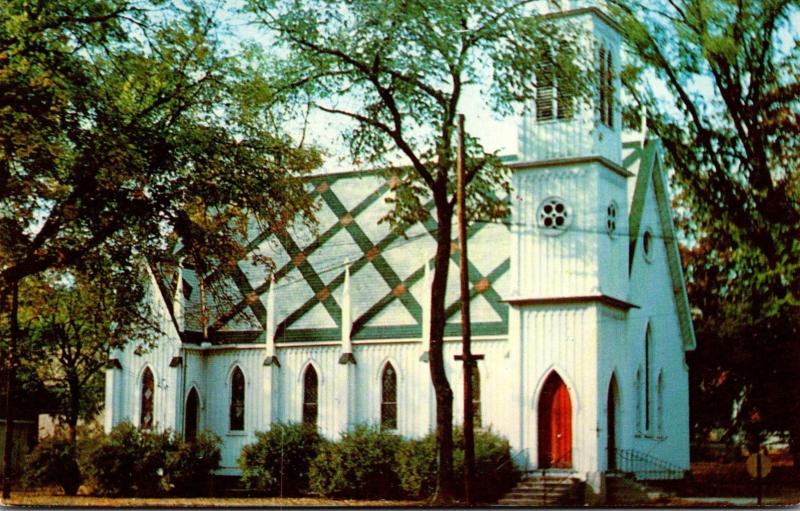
310	397
388	397
148	393
237	400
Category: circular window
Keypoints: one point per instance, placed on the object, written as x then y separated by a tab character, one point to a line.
611	218
647	245
554	215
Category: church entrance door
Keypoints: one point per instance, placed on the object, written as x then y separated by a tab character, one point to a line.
555	424
611	422
190	421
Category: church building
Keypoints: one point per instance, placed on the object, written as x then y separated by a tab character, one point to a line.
578	305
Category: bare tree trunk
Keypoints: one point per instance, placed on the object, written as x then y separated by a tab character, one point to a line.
444	494
10	377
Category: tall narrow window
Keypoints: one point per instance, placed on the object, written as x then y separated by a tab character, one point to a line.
660	404
148	389
606	87
477	419
648	415
190	416
389	398
237	400
310	397
639	400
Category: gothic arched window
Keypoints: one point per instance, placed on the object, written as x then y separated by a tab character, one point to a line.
477	420
648	369
639	400
237	400
389	398
148	390
310	397
660	404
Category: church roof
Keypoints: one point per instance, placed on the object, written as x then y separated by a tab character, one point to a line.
387	270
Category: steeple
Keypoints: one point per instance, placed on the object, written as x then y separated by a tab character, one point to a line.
557	124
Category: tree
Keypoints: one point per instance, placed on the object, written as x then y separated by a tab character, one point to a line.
396	71
72	320
729	123
129	131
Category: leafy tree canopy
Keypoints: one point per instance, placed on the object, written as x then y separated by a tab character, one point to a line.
728	117
126	124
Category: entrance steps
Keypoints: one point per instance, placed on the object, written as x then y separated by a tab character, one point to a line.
625	490
545	491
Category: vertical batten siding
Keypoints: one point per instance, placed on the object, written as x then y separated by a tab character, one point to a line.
562	339
218	398
564	264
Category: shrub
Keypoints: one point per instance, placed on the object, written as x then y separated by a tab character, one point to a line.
129	461
495	473
360	465
416	467
278	462
190	465
53	461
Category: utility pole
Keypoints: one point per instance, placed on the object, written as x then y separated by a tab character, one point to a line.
468	359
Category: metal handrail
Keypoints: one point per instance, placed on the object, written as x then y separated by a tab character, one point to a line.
513	459
554	463
645	466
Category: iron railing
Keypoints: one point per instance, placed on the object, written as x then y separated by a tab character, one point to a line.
645	466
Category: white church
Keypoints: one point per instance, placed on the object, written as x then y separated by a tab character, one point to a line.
578	305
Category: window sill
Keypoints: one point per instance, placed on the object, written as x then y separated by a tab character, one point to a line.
236	433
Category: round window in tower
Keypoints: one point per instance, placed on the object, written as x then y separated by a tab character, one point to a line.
554	216
611	218
647	245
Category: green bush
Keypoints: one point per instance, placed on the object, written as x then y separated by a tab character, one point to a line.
278	462
133	462
53	461
495	473
360	465
129	461
190	465
416	467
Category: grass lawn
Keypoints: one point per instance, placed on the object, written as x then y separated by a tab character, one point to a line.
53	497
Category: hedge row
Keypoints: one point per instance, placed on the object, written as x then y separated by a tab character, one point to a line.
288	460
367	462
127	462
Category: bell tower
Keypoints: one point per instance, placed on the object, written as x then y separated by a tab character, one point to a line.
570	188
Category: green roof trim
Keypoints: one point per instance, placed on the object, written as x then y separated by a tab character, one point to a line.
651	169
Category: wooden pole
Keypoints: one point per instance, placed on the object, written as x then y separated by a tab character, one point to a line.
466	331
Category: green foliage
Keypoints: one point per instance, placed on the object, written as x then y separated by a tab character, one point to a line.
190	465
726	114
495	473
129	461
53	461
133	462
360	465
278	462
416	466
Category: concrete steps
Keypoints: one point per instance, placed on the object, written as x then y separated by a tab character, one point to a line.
548	491
623	490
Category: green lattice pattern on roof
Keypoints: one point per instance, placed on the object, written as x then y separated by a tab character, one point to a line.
369	248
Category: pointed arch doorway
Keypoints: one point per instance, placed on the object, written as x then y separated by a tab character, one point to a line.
555	424
612	423
190	419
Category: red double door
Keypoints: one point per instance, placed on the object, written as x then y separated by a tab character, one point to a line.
555	424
